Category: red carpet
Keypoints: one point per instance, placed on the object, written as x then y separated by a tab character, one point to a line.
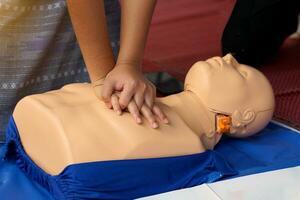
284	73
185	31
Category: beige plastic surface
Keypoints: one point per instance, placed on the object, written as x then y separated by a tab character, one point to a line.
72	125
227	87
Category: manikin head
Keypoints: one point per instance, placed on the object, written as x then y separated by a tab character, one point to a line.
235	93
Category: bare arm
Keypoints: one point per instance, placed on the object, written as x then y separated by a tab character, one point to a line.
127	77
135	22
89	22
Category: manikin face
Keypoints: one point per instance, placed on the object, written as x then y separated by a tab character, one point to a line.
227	87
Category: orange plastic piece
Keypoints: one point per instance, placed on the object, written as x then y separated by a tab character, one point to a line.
223	123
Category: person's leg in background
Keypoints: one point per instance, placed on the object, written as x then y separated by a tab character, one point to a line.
298	31
257	28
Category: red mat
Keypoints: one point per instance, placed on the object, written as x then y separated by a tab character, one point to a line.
185	31
284	74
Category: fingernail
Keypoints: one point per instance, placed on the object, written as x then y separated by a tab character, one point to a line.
139	120
166	121
119	112
154	125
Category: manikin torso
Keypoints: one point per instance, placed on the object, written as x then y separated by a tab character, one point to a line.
72	125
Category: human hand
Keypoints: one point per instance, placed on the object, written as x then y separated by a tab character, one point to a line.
126	88
130	82
151	115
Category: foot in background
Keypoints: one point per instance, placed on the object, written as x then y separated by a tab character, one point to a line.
297	34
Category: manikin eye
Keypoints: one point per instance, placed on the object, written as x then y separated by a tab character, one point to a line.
244	74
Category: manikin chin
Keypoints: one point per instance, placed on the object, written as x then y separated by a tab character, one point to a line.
72	125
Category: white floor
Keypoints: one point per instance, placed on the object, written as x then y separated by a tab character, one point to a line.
276	185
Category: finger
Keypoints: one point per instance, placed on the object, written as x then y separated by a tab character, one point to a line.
153	89
108	104
115	104
98	92
126	95
139	99
116	93
147	113
149	98
161	115
133	109
107	91
140	95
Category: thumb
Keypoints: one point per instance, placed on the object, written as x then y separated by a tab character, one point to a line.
107	91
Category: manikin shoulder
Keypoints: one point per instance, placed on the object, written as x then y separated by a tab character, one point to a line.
41	131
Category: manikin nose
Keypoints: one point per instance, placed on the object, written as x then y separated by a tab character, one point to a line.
231	60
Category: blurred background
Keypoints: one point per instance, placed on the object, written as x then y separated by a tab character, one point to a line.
186	31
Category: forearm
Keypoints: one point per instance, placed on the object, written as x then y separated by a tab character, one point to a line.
90	26
135	22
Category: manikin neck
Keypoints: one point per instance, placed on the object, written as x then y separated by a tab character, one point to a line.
194	113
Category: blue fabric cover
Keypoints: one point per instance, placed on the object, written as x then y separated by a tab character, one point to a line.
275	147
120	179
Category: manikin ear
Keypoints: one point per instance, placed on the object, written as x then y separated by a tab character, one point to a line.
242	118
249	122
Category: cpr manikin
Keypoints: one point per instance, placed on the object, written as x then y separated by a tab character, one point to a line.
72	125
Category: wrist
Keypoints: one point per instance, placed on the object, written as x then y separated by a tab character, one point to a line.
134	64
98	82
99	67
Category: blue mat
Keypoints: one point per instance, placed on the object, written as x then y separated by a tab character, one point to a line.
14	185
274	148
